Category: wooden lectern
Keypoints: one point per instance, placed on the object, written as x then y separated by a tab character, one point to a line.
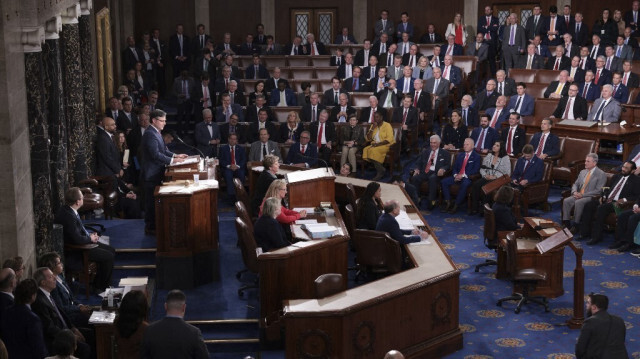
309	188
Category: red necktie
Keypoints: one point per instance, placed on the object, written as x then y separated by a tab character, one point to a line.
597	77
446	72
495	118
509	144
373	111
488	25
226	84
404	117
320	134
581	61
233	156
541	145
584	92
566	110
430	163
415	100
480	140
303	149
464	163
557	65
625	78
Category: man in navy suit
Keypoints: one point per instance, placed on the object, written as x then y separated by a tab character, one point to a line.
513	136
303	154
602	76
405	83
528	170
451	48
203	97
344	38
488	25
578	104
207	135
469	114
314	47
486	98
257	70
249	47
179	49
576	74
431	36
431	167
579	31
620	91
484	136
545	143
233	162
498	114
404	26
156	157
553	28
535	23
226	109
589	90
541	49
107	157
451	72
522	103
467	164
283	91
388	223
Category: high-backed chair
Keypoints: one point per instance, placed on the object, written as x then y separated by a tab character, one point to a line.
527	278
360	99
105	185
243	196
248	248
350	220
536	90
523	75
325	73
490	235
85	271
571	163
546	76
328	284
538	192
90	201
377	252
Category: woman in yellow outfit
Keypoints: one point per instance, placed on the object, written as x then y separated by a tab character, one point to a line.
380	138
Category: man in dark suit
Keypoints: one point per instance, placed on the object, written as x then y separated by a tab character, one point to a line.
271	47
236	96
558	88
504	85
207	135
439	87
283	96
380	47
388	223
529	169
632	17
226	109
344	38
541	49
411	59
156	157
629	40
559	61
498	114
629	78
172	337
544	142
572	107
408	116
576	74
386	59
204	64
233	161
367	113
488	25
535	23
257	71
602	76
620	91
612	62
160	53
315	48
126	119
107	157
484	136
235	73
199	42
355	83
369	72
225	47
579	31
602	334
303	153
486	98
8	284
514	42
342	111
180	51
431	36
589	90
469	114
254	127
309	112
531	60
337	59
553	28
431	167
53	318
421	98
389	97
203	97
21	329
183	89
248	47
254	110
451	72
131	55
345	70
405	83
295	48
513	136
467	164
451	48
232	127
521	103
323	134
332	96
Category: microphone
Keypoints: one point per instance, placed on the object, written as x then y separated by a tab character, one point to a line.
326	165
175	135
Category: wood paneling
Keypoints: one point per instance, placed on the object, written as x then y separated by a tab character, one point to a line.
344	17
593	10
238	17
164	15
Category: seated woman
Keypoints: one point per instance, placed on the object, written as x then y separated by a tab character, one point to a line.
267	232
290	133
380	138
454	132
278	189
258	89
351	140
495	164
268	175
130	324
505	220
369	207
422	70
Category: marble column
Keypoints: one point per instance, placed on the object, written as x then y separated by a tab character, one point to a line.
54	91
73	95
88	85
38	136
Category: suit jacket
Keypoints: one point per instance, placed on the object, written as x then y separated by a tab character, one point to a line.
599	52
484	102
198	95
565	63
156	155
174	46
443	88
198	68
579	108
633	81
235	108
334	60
333	116
197	46
483	52
240	132
22	333
347	85
503	117
220	86
160	50
52	323
386	28
400	29
610	113
442	160
225	156
491	28
509	87
490	137
407	57
262	185
559	26
455	74
578	76
203	137
252	114
602	336
327	98
593	92
248	49
426	38
582	37
543	50
269	234
631	189
365	113
553	86
526	107
532	28
626	52
382	60
533	173
107	156
616	64
250	71
275	50
621	94
319	46
238	98
505	220
605	77
256	149
301	49
520	38
400	84
595	184
305	112
73	229
412	116
375	50
518	140
590	63
295	154
253	131
178	88
551	145
341	73
220	48
63	296
339	39
424	100
472	119
329	132
172	337
290	97
387	223
382	97
366	72
628	20
632	42
129	59
361	59
473	164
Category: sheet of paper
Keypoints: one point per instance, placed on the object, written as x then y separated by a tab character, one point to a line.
125	157
302	244
258	168
104	240
308	209
417	222
102	317
133	281
549	230
406	224
306	221
169	189
188	160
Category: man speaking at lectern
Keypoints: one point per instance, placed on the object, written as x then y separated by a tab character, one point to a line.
156	156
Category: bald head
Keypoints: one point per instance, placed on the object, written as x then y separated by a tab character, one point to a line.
7	280
393	354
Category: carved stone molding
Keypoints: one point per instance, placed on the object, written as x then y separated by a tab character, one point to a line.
32	38
71	14
85	7
53	28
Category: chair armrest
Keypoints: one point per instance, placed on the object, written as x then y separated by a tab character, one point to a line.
576	163
88	182
80	247
474	177
554	158
86	190
566	193
96	227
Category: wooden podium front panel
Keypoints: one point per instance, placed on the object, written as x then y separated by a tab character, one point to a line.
310	193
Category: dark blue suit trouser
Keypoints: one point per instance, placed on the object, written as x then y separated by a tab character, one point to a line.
228	178
432	178
462	192
626	226
149	205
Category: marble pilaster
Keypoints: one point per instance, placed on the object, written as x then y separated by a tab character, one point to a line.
88	87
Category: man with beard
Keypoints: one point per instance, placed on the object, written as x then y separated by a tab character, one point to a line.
602	334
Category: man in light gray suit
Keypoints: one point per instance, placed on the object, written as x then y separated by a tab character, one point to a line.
263	147
384	26
589	184
438	86
605	108
478	48
514	42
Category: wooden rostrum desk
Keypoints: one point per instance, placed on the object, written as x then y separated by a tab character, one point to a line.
414	311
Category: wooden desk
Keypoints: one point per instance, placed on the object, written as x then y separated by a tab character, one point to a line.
529	257
255	168
415	311
629	135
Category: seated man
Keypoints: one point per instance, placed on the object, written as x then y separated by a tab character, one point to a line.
624	192
207	135
355	83
545	143
343	111
233	161
283	96
635	158
264	146
302	154
324	135
588	90
498	114
521	103
487	98
262	123
224	111
467	164
431	166
387	223
529	169
589	184
75	233
620	91
560	88
407	115
484	136
606	108
232	127
572	107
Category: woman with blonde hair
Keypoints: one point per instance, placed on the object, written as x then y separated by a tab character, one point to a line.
422	70
457	29
290	132
278	189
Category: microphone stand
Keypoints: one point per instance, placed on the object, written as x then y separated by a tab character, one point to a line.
188	145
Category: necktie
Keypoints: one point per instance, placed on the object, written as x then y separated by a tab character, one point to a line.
573	73
303	149
538	50
559	88
566	110
432	39
233	155
320	135
415	99
535	22
405	48
53	303
373	111
526	165
338	60
373	72
552	27
464	164
487	35
313	114
313	49
180	38
383	48
529	62
405	87
566	21
635	17
446	72
608	67
480	140
430	163
255	72
517	108
232	129
581	63
389	57
586	182
541	145
226	84
512	36
615	88
264	150
206	96
464	116
335	97
597	76
135	54
577	28
619	51
232	97
556	67
355	84
201	41
614	194
449	48
625	78
600	109
501	88
227	114
404	117
435	86
295	50
586	89
411	61
494	120
509	141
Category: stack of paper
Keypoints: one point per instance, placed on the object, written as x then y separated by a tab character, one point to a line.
102	317
406	224
320	230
